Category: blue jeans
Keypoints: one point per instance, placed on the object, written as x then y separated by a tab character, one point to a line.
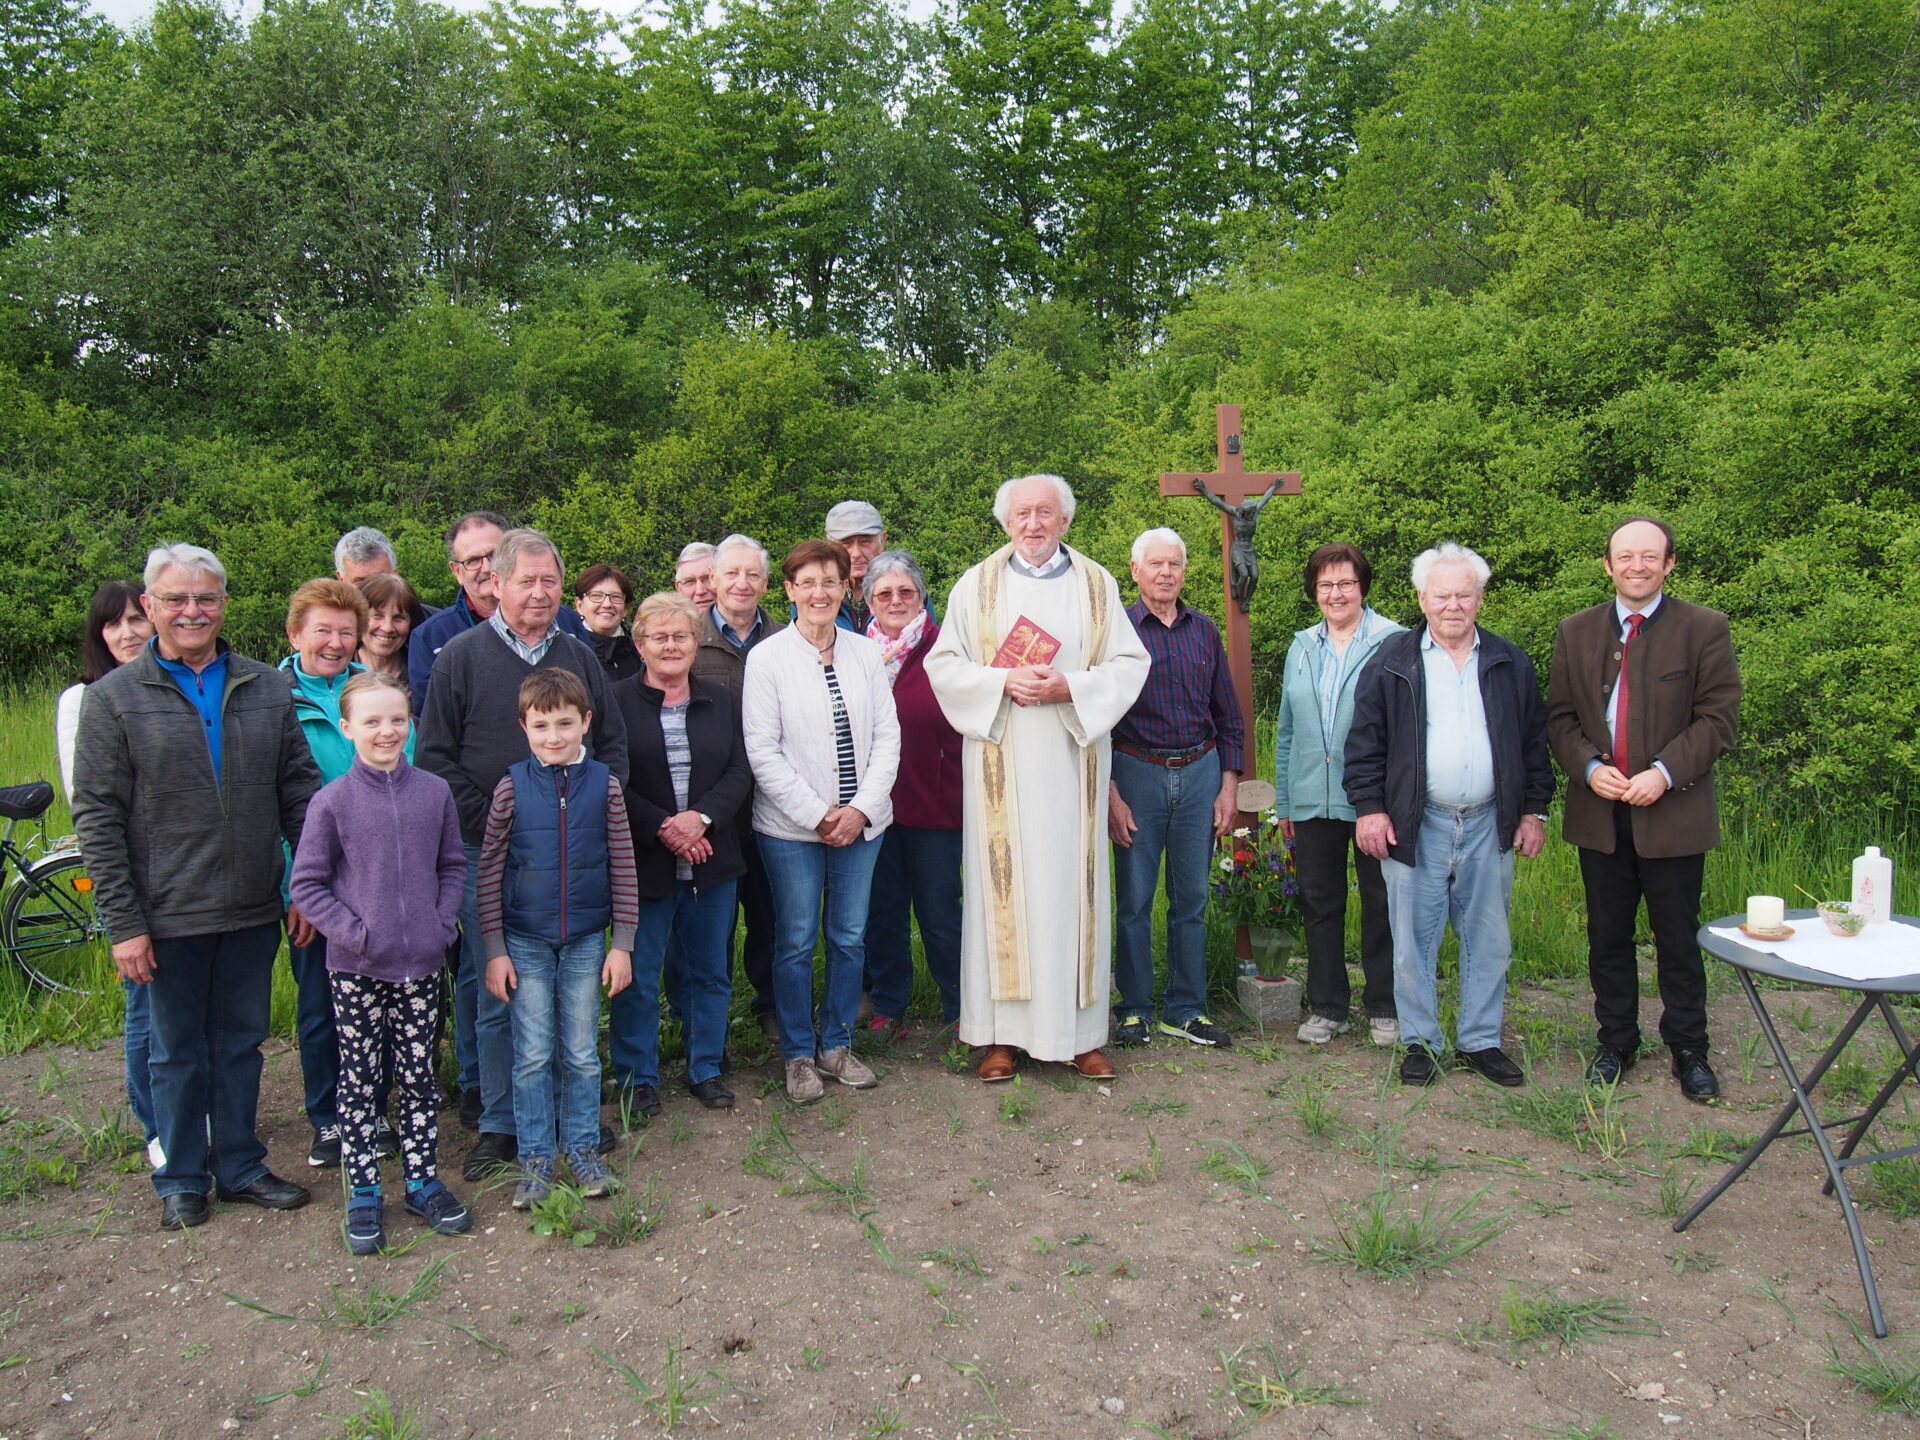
1173	810
139	1044
478	1014
918	872
210	999
313	1023
1460	873
556	1020
701	921
818	887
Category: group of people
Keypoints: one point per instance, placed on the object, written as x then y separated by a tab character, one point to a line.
550	801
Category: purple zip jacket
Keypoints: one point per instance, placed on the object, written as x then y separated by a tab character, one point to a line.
380	870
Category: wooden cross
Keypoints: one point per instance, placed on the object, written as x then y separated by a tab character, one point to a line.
1233	484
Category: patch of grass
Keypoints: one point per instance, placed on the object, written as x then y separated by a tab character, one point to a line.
993	1417
372	1309
1676	1192
1016	1102
1601	1429
1539	1316
564	1213
1160	1105
1767	1288
1698	1261
312	1385
109	1137
834	1113
377	1419
886	1421
850	1190
957	1058
1148	1173
958	1258
1314	1106
632	1215
1712	1144
1097	1325
1891	1378
1893	1186
680	1391
1554	1111
1230	1163
1386	1235
1263	1391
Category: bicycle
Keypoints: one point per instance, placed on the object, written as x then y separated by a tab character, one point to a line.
49	928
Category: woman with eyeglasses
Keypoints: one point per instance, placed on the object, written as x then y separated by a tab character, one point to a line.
1316	711
602	595
824	744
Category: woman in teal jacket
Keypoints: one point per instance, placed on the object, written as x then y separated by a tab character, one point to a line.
1316	710
326	621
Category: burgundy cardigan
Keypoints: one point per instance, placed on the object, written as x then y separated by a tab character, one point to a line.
926	793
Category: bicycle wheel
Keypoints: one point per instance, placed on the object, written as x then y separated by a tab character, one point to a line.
50	930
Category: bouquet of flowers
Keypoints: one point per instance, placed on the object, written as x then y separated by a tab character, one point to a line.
1256	883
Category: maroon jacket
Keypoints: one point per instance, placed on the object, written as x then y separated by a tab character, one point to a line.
926	794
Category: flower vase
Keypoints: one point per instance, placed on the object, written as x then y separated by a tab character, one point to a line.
1272	947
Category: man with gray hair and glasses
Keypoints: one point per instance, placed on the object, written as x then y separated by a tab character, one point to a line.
190	769
1448	774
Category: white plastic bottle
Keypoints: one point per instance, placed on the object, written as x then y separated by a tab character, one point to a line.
1873	885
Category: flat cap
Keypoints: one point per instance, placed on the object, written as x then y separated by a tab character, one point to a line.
853	517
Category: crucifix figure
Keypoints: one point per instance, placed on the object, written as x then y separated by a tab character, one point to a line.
1239	496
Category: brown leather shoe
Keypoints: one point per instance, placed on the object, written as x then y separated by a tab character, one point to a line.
1094	1065
996	1064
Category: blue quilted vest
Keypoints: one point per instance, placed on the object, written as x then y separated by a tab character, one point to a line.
557	885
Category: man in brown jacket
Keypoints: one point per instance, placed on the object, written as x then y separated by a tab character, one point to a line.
1638	737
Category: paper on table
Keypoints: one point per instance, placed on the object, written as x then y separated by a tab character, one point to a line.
1882	952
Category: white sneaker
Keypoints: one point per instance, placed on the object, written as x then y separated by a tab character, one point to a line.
1318	1029
156	1155
1385	1030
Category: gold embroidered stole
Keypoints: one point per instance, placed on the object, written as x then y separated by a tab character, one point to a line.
1009	961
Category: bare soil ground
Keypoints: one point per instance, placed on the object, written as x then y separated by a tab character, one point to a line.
944	1258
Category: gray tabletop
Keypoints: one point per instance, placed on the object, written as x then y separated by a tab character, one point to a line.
1760	962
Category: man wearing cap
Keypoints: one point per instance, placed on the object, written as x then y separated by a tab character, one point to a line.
858	526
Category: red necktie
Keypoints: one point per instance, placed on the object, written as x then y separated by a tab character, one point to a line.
1620	761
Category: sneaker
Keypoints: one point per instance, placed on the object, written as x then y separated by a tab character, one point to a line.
1319	1029
156	1153
1201	1031
1131	1032
440	1208
536	1181
365	1228
885	1029
643	1099
386	1141
1384	1030
325	1154
846	1067
803	1081
594	1178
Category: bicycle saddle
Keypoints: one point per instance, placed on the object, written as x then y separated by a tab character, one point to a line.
25	802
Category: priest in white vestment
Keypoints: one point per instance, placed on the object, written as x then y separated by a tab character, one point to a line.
1036	934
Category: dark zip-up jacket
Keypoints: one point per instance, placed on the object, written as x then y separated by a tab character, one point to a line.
721	784
172	848
1386	754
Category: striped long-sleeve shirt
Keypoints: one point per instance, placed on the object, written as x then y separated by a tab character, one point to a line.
623	885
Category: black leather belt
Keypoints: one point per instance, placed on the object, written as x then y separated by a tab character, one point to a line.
1171	759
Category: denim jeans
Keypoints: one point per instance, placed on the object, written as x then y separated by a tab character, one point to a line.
1459	874
818	887
918	872
139	1044
313	1023
556	1020
1173	810
477	1013
210	997
700	920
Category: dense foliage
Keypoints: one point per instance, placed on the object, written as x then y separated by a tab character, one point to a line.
1498	271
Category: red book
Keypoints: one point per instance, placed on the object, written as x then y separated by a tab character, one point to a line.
1026	644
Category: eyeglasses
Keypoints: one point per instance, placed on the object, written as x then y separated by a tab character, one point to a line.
174	604
1336	587
807	587
678	637
474	562
605	597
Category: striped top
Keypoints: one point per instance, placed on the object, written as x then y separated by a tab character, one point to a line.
842	738
623	886
673	730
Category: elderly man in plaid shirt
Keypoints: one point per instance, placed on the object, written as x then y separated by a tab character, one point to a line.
1177	760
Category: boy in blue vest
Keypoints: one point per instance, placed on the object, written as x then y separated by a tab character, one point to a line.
556	866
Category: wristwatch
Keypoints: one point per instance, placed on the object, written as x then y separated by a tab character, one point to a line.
705	819
1535	814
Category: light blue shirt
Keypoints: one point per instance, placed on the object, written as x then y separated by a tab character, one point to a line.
1621	610
1459	754
532	654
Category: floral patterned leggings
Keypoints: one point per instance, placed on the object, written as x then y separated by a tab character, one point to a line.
391	1017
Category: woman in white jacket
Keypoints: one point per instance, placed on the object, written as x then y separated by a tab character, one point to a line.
824	745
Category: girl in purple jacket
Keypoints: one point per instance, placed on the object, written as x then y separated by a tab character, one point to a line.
379	872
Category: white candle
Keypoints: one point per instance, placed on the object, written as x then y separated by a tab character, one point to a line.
1766	912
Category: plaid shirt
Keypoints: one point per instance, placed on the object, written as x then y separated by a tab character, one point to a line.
1188	698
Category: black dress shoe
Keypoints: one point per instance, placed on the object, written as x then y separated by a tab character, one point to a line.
643	1100
1610	1066
713	1094
269	1192
1493	1064
491	1155
1417	1067
607	1140
183	1212
1696	1077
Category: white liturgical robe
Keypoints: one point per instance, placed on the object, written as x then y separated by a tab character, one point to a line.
1036	951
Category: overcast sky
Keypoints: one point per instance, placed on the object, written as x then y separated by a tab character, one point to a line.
127	13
